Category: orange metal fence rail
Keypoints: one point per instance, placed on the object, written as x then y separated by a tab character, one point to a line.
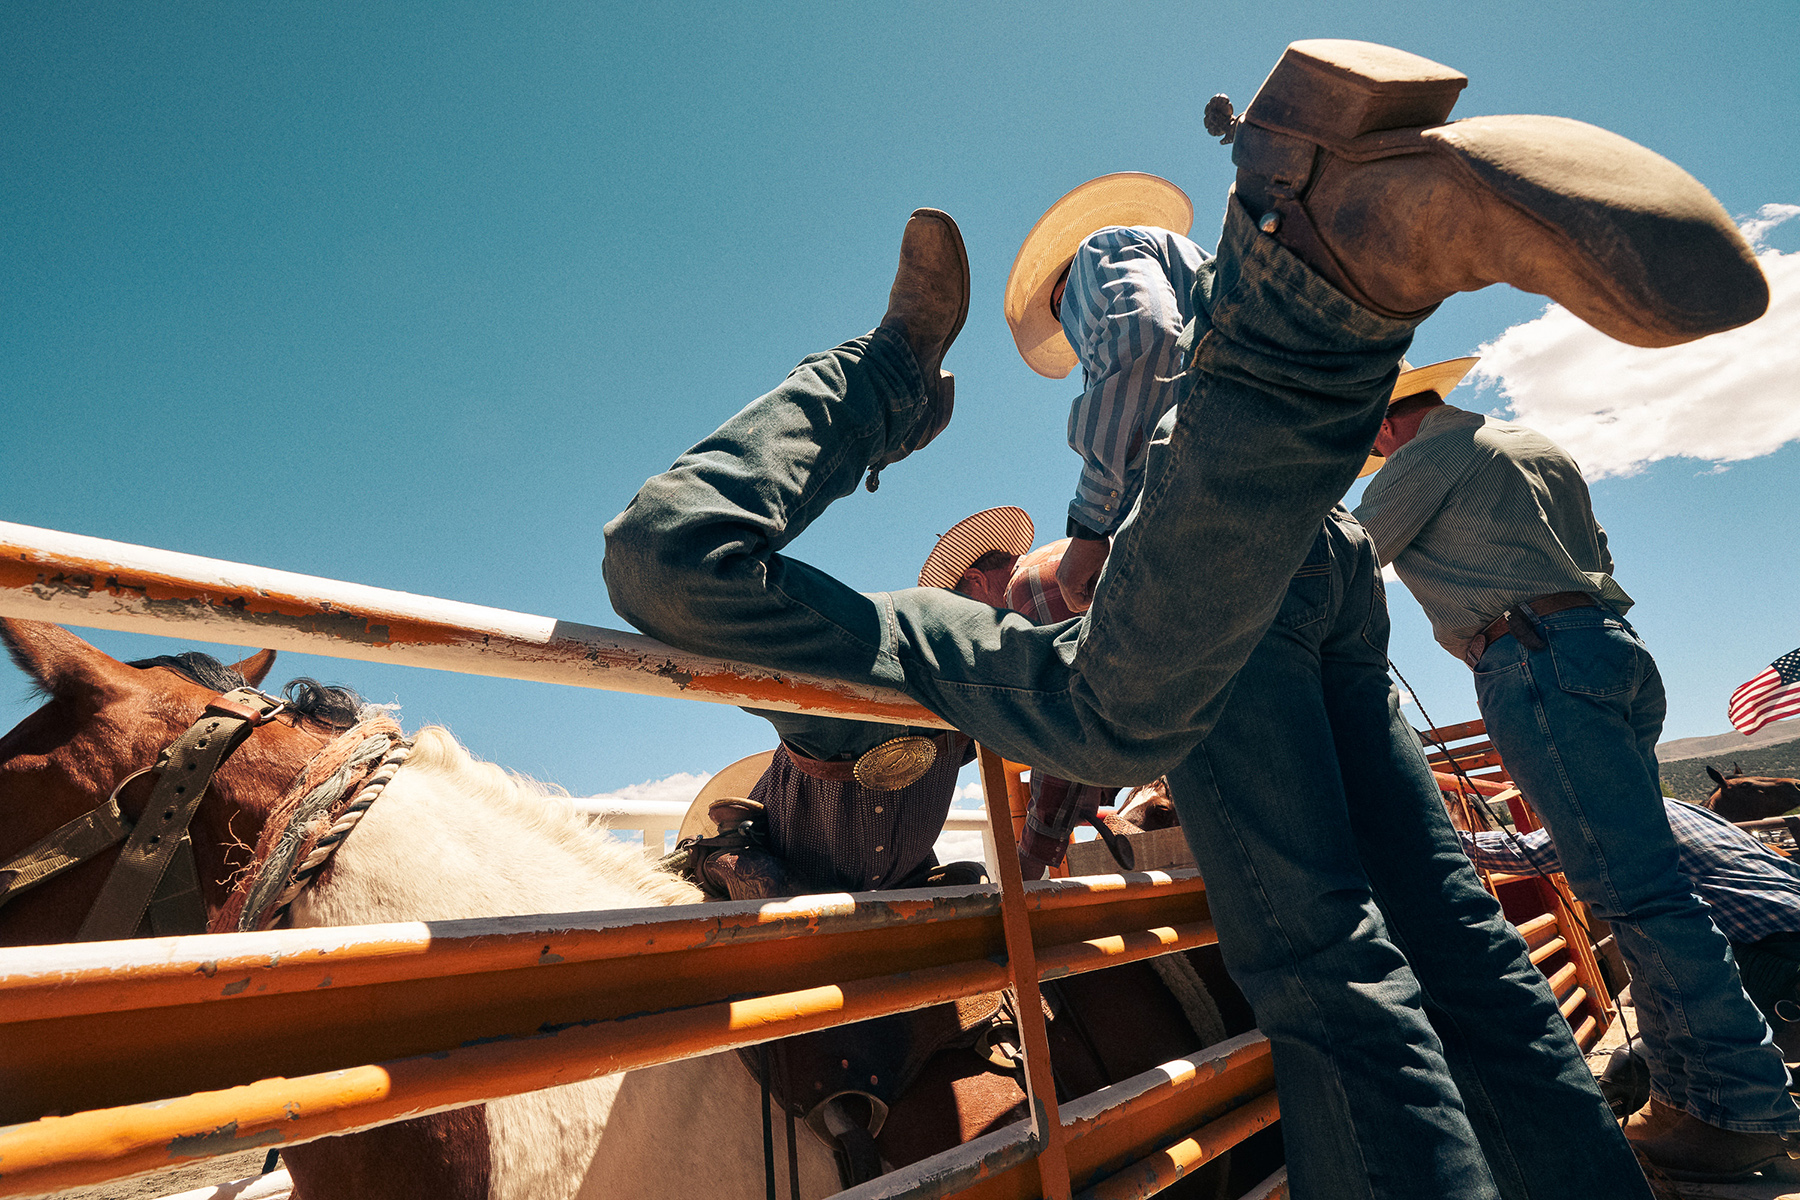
50	576
185	1048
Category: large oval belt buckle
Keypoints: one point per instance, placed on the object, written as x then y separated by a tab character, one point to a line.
895	764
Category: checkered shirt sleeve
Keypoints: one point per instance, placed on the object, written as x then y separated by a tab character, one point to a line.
1752	891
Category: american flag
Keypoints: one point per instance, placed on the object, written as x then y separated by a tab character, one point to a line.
1772	695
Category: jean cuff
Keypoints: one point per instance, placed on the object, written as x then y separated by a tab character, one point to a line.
895	372
1268	318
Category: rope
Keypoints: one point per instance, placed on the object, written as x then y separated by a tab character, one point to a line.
1197	1005
303	875
1631	1035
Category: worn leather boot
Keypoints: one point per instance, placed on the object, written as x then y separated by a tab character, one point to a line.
1695	1151
1651	1121
927	306
1344	157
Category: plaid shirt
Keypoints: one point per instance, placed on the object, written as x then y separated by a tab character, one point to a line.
1057	805
1752	891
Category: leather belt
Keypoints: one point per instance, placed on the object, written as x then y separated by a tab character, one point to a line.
1513	620
888	767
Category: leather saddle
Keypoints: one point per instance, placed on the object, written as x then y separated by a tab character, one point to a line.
892	1091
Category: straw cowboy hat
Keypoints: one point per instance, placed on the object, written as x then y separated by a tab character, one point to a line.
1439	377
1127	198
1006	528
902	759
731	783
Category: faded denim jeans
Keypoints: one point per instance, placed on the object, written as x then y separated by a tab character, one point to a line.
1287	386
1577	723
1418	1052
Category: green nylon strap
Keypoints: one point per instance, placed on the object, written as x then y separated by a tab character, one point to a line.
72	844
185	770
177	907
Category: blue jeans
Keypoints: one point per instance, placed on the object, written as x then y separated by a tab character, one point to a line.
1418	1053
1577	723
1287	386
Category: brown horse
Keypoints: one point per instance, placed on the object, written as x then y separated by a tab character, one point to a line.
1741	797
696	1120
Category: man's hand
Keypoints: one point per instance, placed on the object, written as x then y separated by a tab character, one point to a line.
1079	571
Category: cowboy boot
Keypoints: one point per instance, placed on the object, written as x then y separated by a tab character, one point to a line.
1651	1121
927	306
1343	156
1695	1151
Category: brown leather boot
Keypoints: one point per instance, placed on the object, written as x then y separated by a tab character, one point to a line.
1344	158
1651	1121
927	306
1693	1150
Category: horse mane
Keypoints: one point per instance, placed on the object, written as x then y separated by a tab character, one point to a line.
328	704
545	809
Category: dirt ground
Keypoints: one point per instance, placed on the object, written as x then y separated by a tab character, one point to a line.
1668	1189
209	1173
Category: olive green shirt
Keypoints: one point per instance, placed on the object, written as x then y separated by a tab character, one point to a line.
1478	514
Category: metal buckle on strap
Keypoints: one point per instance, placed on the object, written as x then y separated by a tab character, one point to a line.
247	704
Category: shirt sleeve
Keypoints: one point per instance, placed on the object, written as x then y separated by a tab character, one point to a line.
1400	500
1516	852
1606	558
1124	320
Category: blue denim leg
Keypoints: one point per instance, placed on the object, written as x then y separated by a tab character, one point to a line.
1668	1074
1417	1051
1287	390
1577	724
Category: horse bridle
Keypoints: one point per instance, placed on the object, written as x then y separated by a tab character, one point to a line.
156	872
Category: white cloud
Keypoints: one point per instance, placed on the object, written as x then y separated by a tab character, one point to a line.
682	786
1618	408
962	846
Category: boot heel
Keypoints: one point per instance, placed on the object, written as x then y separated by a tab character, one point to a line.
1333	92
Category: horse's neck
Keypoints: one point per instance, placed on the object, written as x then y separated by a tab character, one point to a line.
428	850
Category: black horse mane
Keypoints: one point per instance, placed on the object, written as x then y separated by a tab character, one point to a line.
322	702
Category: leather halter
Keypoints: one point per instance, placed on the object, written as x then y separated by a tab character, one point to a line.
155	872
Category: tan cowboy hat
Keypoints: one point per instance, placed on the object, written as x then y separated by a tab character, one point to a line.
1007	529
733	782
1439	377
1127	198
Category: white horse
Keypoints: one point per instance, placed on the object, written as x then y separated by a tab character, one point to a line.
449	838
453	837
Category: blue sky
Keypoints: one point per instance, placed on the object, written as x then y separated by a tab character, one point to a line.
417	295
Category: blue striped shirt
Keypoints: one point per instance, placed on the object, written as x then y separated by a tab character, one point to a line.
1752	891
1129	295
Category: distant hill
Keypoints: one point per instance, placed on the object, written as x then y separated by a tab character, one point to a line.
1773	750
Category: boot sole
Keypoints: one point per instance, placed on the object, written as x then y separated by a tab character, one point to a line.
1661	261
1340	93
1779	1168
1664	260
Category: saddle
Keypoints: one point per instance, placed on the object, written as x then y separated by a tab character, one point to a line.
892	1091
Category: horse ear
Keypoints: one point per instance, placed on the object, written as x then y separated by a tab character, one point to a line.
1716	777
255	669
61	662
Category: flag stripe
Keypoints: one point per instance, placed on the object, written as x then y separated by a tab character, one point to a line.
1770	695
